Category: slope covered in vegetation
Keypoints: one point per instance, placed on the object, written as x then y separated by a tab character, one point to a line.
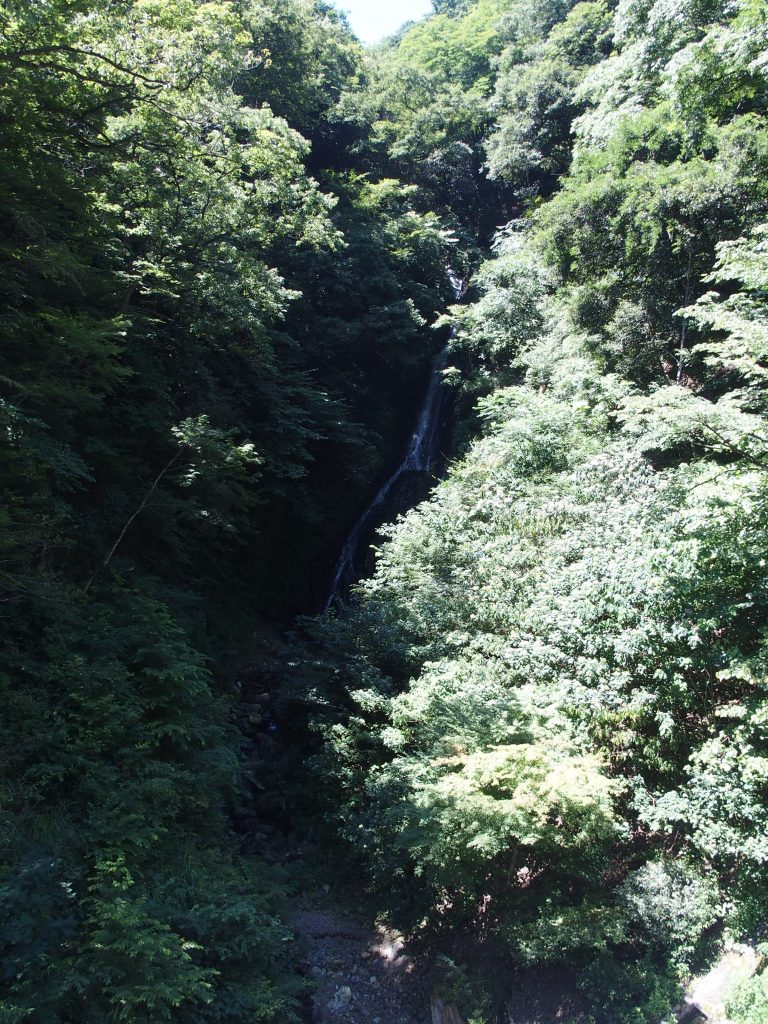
554	748
211	326
540	726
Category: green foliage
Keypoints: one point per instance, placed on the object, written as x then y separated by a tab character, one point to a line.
535	100
308	59
187	315
541	723
454	985
672	902
457	49
495	329
115	792
560	932
748	1004
544	713
423	110
635	992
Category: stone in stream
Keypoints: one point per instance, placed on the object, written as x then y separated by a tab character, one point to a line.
342	997
445	1013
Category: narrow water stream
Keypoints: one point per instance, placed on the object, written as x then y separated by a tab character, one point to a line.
421	457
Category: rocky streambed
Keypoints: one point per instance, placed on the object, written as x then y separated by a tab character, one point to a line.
360	974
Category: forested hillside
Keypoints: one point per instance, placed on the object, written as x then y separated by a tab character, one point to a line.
212	323
538	732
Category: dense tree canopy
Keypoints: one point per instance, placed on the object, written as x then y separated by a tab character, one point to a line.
554	682
538	729
203	340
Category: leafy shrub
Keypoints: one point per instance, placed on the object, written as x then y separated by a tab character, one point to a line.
672	902
748	1003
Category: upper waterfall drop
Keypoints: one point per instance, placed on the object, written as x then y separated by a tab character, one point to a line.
421	456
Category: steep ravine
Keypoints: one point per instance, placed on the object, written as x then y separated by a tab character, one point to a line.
357	970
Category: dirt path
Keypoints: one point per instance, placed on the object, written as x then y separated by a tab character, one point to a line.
360	974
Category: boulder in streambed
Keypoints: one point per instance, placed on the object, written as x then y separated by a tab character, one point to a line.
342	997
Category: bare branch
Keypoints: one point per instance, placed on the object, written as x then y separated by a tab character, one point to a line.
144	501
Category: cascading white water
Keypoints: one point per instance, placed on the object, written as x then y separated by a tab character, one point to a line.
420	457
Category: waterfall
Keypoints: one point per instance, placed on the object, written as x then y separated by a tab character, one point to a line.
421	456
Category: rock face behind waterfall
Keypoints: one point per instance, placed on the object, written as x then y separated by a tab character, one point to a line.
406	486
